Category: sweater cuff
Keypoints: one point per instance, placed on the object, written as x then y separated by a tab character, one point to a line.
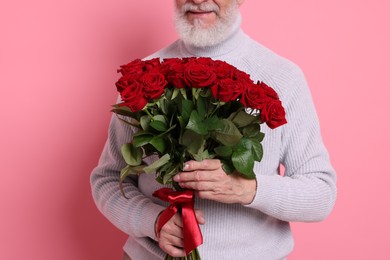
148	220
266	194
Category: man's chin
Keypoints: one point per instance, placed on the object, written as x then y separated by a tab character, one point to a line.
199	34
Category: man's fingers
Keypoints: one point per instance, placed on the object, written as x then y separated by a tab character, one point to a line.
177	220
198	185
208	164
173	250
200	175
174	227
170	239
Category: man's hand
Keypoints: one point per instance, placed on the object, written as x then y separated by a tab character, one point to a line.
209	181
170	238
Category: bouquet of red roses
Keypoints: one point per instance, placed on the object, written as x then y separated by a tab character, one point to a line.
193	108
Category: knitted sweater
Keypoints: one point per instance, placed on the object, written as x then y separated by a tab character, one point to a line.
305	192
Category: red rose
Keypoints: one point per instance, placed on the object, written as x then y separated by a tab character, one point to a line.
270	92
153	85
205	61
273	114
227	90
173	69
124	82
243	77
198	75
224	70
133	97
152	65
188	59
253	96
134	69
170	62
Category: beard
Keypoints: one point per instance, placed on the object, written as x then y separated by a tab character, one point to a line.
195	34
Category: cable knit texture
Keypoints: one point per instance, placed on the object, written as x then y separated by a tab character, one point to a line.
306	192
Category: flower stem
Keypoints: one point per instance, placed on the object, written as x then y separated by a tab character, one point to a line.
194	255
149	114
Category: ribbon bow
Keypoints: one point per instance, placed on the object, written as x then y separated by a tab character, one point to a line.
183	200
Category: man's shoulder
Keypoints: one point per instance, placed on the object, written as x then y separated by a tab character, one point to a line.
271	62
266	65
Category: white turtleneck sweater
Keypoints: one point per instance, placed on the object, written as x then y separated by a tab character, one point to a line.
306	192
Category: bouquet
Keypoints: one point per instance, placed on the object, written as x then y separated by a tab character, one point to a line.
192	109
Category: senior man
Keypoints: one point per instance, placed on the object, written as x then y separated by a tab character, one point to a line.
241	218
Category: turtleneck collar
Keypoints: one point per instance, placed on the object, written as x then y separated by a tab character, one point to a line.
228	45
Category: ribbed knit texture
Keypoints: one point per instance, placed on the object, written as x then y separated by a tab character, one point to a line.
261	230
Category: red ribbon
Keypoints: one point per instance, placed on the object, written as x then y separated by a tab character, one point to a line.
183	200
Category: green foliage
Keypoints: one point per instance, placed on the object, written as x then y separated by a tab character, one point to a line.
132	154
189	124
243	159
229	135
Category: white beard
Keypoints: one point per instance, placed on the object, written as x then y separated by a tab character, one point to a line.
195	34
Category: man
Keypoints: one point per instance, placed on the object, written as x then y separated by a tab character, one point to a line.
241	219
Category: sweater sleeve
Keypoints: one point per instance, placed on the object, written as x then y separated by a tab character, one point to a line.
134	215
307	190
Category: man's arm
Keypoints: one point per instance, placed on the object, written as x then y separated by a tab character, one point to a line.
307	191
135	214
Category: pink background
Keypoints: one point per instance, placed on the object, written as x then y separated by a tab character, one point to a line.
58	62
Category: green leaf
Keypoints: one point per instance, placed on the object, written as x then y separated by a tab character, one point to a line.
223	151
131	154
193	142
185	109
227	166
243	119
259	136
201	106
159	179
182	123
176	92
205	92
201	155
131	121
124	111
252	130
124	173
168	93
145	122
196	124
159	123
158	142
157	164
257	149
166	167
167	177
162	103
162	170
141	139
195	93
229	135
129	170
183	92
214	123
242	158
